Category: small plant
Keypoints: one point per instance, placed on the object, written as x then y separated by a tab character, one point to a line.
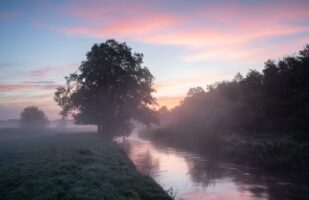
172	193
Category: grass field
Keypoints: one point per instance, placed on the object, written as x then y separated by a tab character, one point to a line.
69	166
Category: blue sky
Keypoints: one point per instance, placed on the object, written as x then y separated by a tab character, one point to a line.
185	43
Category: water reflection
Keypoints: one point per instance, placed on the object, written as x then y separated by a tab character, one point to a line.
195	178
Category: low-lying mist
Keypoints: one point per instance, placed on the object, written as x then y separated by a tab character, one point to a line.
261	117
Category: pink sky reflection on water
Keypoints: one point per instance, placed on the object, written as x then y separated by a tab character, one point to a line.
171	169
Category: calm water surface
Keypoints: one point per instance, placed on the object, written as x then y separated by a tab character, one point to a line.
191	177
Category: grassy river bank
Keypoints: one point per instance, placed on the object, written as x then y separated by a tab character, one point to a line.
286	154
69	166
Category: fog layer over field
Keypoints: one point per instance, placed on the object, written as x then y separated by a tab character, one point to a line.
63	126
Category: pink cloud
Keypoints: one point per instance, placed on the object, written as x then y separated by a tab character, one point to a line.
127	28
39	73
146	24
26	87
261	14
46	71
220	28
104	19
12	87
245	53
132	28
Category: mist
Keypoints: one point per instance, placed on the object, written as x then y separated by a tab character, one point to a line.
241	138
253	118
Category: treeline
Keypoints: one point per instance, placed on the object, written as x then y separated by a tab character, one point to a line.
261	117
274	100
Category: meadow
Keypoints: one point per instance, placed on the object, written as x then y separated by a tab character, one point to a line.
48	165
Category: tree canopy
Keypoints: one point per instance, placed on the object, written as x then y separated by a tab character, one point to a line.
274	100
33	117
110	87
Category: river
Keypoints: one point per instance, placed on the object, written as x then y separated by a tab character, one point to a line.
188	176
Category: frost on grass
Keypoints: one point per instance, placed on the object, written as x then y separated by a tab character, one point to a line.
75	166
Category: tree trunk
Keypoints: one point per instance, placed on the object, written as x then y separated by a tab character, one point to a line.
99	128
105	132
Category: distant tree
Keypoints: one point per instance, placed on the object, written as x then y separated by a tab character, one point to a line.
195	91
33	118
110	88
238	77
163	111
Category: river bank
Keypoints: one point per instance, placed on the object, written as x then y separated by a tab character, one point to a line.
69	166
191	176
277	153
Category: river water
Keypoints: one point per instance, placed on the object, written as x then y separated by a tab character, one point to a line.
188	176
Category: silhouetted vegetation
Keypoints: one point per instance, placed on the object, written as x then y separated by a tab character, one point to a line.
261	117
33	117
110	88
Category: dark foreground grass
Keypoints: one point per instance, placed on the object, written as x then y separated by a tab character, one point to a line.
71	166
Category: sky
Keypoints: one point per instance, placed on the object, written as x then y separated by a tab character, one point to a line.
185	43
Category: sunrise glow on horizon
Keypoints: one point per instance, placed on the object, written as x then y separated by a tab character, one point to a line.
185	43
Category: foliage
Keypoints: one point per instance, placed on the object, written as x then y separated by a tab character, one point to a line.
33	117
110	88
269	150
276	99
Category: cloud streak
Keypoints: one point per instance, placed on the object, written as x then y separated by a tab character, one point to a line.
46	71
105	19
209	31
28	86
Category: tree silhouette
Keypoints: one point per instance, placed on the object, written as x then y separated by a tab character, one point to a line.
33	118
275	100
110	88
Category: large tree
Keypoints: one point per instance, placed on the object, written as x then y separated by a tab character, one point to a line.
110	88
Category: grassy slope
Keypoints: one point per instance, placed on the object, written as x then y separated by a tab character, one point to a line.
75	166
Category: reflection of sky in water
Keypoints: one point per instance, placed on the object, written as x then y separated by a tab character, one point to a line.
171	169
194	178
223	189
